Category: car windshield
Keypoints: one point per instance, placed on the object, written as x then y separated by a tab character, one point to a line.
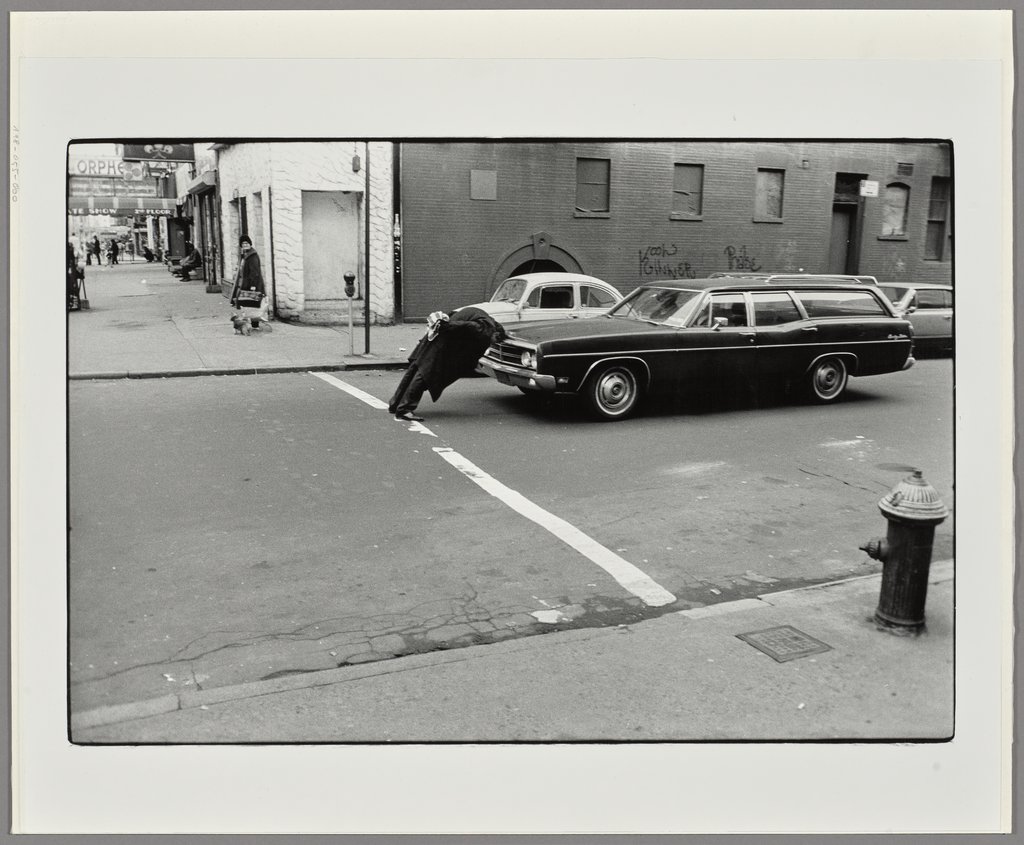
669	306
510	290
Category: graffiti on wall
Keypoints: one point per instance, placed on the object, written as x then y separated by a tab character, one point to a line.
739	260
659	261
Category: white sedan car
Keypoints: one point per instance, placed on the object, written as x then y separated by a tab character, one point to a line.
532	297
930	311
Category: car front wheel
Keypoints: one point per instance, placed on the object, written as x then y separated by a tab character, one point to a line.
827	380
612	392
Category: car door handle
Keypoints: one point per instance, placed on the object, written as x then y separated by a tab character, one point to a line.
751	335
809	329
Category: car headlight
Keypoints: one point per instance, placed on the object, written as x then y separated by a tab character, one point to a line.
529	359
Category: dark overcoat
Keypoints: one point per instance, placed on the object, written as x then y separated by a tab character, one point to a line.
455	351
249	277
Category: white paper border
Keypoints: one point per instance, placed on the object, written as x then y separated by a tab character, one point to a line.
741	74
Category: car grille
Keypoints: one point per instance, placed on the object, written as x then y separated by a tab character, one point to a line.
507	353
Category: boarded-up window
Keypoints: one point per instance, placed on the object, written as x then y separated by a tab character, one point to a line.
768	203
593	178
483	184
894	210
938	216
688	190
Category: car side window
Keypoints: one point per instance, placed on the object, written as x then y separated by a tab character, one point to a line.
932	299
731	306
774	309
840	303
591	297
551	296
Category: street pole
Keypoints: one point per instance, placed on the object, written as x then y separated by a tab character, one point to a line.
366	250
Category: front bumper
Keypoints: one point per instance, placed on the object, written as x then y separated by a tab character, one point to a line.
516	376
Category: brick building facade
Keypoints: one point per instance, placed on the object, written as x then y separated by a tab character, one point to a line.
474	213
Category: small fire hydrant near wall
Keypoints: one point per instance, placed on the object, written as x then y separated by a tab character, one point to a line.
913	509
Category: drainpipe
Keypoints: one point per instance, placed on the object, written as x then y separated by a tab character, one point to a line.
273	263
366	289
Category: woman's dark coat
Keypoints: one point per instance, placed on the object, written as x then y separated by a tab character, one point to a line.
455	351
249	277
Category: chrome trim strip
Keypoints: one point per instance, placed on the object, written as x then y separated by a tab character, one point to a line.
723	348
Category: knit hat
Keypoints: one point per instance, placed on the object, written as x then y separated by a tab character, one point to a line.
245	239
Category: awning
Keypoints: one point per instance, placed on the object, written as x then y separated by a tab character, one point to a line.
203	182
122	206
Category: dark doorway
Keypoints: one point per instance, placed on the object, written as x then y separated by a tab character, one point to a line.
847	217
538	265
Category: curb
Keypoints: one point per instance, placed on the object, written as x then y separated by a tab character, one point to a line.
940	572
380	364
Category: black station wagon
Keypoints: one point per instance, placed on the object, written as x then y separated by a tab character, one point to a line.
671	336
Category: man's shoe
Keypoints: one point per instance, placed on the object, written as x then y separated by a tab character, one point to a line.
408	416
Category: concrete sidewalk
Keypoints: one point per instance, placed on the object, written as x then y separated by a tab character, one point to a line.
683	676
142	322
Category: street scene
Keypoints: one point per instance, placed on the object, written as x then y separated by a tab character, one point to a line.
566	489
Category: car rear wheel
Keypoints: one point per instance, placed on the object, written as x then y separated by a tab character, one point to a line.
827	380
612	392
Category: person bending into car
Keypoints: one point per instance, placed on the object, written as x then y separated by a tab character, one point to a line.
448	351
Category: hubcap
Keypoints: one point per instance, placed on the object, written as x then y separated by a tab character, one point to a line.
615	390
828	379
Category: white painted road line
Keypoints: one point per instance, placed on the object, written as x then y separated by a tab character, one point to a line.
372	401
631	578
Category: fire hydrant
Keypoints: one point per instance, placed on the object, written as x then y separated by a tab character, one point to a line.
913	509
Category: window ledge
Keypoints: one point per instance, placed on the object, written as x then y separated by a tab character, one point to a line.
769	219
599	215
675	215
893	238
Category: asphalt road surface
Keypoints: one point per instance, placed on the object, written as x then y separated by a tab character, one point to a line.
229	529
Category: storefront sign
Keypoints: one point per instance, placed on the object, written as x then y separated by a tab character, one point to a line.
121	206
95	166
159	152
135	171
86	186
868	188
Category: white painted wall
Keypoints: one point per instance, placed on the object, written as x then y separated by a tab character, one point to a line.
279	172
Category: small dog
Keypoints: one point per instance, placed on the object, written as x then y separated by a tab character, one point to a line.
241	324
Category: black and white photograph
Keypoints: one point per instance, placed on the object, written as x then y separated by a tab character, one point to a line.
407	414
612	449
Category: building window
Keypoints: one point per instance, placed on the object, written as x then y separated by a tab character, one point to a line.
593	181
483	184
894	210
937	233
768	201
688	191
904	168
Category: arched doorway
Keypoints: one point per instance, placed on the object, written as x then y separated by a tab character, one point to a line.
538	256
538	265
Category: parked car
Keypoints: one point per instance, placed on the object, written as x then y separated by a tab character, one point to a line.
930	311
673	336
532	297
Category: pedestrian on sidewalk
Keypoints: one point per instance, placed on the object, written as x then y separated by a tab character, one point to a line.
248	295
193	260
94	249
448	351
113	251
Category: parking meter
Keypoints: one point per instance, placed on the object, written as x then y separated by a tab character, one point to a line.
350	291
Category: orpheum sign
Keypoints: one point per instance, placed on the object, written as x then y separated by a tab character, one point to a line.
96	166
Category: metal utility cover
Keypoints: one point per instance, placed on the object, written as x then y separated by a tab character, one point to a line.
784	643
